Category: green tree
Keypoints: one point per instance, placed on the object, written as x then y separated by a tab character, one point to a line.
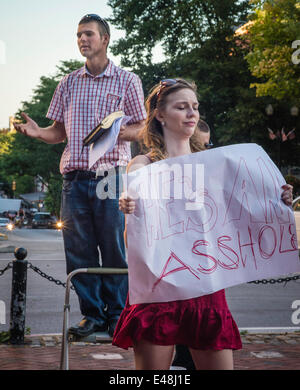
179	26
199	43
34	156
274	30
52	199
24	183
23	157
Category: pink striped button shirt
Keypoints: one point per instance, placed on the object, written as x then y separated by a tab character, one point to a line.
81	101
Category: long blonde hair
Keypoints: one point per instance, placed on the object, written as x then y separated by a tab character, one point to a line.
153	137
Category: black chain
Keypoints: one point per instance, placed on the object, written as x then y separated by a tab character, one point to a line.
59	283
262	281
280	280
9	265
50	278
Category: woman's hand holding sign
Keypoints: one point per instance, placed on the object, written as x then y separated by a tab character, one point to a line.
287	194
126	204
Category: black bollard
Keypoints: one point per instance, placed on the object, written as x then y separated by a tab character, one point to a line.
18	297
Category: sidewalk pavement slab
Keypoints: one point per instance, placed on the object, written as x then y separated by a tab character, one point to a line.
43	352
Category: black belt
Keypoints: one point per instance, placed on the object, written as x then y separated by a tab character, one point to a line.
86	175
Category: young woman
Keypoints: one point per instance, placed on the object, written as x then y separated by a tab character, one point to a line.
204	324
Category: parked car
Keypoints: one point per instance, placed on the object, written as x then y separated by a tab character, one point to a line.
42	219
5	223
54	222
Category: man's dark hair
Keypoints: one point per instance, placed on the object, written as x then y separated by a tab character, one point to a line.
102	23
203	126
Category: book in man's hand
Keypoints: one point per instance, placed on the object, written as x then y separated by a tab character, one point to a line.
101	129
103	138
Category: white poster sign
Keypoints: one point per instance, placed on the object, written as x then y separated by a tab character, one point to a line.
207	221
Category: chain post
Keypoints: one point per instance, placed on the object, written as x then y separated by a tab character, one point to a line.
18	297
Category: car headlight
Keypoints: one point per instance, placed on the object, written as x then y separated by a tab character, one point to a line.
9	226
59	225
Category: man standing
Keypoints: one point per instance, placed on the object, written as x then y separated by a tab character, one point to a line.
92	225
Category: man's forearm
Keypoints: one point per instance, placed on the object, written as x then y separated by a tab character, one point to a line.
53	134
133	132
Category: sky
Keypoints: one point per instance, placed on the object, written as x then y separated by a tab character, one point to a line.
35	35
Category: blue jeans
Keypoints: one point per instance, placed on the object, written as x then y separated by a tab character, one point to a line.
92	225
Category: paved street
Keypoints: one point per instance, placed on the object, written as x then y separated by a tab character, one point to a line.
45	299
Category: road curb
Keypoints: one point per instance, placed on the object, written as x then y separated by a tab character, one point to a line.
7	249
270	330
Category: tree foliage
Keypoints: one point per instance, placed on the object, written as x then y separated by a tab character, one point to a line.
23	158
275	26
199	43
179	26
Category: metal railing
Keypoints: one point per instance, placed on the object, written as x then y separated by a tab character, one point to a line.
64	362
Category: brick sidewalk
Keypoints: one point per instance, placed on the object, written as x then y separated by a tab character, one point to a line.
260	352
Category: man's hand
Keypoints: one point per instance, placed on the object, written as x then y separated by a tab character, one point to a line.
53	134
30	128
131	132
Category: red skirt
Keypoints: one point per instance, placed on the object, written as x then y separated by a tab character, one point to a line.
200	323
